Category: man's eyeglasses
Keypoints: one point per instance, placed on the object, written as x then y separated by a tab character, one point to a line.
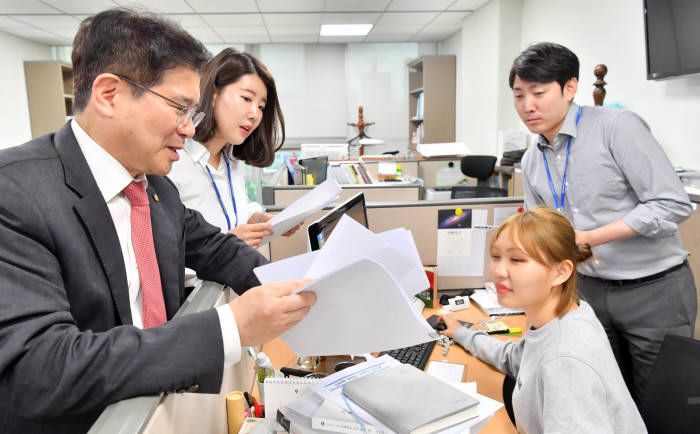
186	113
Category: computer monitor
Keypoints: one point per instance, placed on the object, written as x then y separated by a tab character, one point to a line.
321	229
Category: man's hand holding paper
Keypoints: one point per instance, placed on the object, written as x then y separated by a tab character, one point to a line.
264	312
363	282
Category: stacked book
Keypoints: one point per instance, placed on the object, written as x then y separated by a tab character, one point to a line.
349	173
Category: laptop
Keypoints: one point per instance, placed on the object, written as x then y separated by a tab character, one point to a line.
321	229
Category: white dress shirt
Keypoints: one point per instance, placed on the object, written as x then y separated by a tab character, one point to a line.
190	176
111	178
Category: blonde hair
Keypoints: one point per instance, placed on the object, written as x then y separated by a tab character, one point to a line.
547	237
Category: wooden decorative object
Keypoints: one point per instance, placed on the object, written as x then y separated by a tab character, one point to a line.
599	91
361	124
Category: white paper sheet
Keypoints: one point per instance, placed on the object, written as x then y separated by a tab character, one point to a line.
446	371
352	305
480	217
460	252
350	241
303	208
501	213
292	268
440	149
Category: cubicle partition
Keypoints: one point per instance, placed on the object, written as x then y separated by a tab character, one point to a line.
420	217
428	172
182	412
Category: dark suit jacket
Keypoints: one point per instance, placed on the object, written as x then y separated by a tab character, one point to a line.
67	346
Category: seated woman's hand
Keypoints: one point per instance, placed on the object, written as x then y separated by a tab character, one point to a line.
451	323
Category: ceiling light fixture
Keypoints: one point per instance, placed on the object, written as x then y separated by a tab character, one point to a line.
345	29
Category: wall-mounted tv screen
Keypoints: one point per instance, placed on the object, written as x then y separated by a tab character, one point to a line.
672	37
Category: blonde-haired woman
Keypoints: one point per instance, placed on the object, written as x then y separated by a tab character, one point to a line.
567	379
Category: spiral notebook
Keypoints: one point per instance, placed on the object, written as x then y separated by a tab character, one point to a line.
280	392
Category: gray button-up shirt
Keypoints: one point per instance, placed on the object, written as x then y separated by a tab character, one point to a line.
617	170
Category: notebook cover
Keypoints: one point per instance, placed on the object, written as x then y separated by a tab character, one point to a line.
407	399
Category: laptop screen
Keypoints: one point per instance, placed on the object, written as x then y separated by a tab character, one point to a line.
321	229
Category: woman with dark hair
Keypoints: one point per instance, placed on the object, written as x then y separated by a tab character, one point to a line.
567	379
243	124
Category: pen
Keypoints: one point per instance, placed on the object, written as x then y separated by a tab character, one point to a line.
506	331
261	215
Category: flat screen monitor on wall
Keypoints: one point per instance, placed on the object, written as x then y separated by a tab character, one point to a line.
672	34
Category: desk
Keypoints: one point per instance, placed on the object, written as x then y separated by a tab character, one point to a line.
489	380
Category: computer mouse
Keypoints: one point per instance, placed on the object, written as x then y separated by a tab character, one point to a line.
440	326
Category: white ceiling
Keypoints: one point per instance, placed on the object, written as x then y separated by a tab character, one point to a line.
54	22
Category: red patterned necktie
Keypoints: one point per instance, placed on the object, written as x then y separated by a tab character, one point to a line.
142	238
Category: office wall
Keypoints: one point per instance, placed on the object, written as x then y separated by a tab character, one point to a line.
488	40
14	109
612	32
598	31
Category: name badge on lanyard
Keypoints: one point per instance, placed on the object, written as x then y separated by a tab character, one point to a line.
560	205
230	186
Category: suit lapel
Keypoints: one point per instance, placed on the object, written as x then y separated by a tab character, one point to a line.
93	212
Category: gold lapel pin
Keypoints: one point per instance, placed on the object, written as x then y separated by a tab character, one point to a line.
155	197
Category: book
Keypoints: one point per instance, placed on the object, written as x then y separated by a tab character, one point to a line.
282	391
330	417
394	395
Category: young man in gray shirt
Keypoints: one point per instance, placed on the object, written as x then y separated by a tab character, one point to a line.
602	169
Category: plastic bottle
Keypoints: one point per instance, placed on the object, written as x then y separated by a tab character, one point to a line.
264	367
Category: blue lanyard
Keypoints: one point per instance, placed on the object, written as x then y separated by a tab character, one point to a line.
230	186
560	207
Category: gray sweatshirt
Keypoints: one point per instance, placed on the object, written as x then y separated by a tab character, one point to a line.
567	379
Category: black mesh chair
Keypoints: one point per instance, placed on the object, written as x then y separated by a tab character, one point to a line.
671	403
508	387
479	167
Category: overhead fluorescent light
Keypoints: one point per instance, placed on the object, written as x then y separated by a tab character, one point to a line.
345	29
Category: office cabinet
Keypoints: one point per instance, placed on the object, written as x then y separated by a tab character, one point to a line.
431	100
50	95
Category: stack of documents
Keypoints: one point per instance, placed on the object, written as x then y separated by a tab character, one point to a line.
363	283
328	409
303	208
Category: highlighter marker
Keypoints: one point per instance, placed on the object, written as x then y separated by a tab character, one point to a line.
513	330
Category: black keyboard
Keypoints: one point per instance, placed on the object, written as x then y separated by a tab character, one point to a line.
417	355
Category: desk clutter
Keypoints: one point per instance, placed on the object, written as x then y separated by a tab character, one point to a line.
377	396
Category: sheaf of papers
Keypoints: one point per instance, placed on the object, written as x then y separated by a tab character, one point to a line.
362	282
442	149
303	208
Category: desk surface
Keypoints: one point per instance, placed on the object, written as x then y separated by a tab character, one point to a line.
489	380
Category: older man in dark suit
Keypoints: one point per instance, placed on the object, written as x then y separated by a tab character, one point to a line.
94	241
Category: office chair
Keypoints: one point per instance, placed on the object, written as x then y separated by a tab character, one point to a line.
672	400
479	167
469	192
508	387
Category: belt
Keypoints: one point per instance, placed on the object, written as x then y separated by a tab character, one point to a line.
622	282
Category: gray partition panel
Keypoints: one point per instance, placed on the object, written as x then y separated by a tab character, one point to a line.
132	415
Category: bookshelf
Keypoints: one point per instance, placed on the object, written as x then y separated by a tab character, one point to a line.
50	95
431	100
